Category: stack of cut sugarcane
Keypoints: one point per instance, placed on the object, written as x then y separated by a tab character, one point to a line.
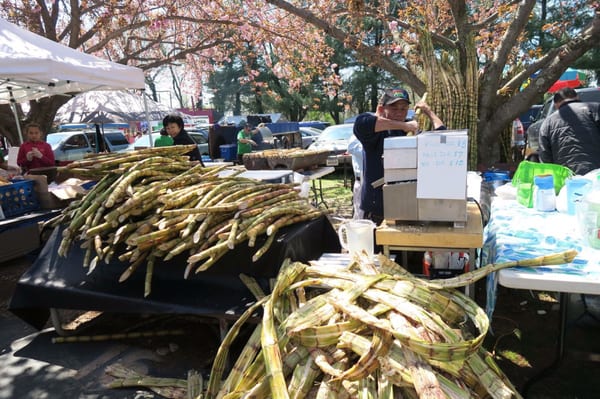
293	158
162	206
365	331
284	153
96	166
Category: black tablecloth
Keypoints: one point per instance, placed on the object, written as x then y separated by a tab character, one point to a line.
63	283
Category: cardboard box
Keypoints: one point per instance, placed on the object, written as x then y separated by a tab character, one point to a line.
399	174
19	241
442	210
59	196
400	152
400	201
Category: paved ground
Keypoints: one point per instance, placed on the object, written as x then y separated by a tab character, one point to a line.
31	366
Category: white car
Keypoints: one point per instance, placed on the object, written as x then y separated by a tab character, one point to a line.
309	135
334	139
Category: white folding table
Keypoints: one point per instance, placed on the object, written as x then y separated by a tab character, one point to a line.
515	232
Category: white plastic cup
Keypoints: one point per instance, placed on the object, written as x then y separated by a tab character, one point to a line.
577	188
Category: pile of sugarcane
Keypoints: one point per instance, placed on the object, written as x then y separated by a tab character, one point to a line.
162	206
96	166
365	331
284	153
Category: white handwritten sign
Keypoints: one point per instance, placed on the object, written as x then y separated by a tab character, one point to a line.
442	164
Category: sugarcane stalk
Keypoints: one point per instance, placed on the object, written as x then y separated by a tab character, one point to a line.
262	250
149	272
478	274
132	267
243	362
194	385
223	352
302	379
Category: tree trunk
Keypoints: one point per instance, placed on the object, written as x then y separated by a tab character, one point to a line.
41	111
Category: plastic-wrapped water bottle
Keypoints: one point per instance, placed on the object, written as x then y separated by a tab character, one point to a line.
544	197
588	216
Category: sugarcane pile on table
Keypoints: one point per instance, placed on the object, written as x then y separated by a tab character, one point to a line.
153	207
365	331
96	166
291	158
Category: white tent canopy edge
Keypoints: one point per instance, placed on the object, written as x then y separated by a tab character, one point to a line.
34	67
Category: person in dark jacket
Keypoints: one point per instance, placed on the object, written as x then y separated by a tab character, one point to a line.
390	119
571	135
173	124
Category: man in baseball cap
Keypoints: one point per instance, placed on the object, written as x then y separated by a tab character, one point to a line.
391	96
370	129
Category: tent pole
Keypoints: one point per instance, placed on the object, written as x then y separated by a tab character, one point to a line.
151	142
14	110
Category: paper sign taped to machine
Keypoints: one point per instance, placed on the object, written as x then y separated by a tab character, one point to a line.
442	164
13	152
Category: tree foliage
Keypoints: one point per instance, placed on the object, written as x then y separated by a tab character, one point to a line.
474	55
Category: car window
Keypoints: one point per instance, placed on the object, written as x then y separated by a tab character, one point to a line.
199	138
590	96
54	138
92	139
585	96
336	133
548	106
77	141
116	139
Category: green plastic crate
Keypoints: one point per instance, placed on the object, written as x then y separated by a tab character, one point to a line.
523	179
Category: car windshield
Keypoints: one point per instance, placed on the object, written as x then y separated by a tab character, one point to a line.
55	138
340	132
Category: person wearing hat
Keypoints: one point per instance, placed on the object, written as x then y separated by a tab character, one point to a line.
370	129
244	141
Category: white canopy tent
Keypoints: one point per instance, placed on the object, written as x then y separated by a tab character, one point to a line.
32	67
110	106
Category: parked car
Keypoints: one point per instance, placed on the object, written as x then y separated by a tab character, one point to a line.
529	116
334	139
316	124
200	130
74	145
198	137
309	135
587	94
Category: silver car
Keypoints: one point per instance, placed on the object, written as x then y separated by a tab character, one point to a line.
334	139
309	135
74	145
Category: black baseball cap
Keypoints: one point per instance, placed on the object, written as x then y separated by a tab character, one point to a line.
391	96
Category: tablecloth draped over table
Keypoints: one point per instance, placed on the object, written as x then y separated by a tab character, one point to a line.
516	233
63	283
